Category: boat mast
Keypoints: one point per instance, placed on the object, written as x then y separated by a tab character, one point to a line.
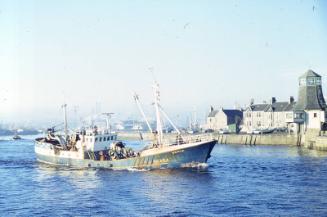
64	107
108	116
156	93
137	100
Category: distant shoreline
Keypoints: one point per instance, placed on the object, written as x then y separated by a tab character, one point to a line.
4	132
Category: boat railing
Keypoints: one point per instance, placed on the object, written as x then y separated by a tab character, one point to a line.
198	138
185	139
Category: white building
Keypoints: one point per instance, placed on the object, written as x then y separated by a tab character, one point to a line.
224	119
274	115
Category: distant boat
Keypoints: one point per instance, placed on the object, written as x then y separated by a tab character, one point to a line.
193	124
137	127
263	131
16	137
223	131
119	127
101	149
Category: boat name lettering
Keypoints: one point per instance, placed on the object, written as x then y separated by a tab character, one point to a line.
178	151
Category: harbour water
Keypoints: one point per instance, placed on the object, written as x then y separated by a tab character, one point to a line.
239	181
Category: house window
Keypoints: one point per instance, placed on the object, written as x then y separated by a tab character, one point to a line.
314	115
100	139
104	138
259	123
96	139
299	115
108	138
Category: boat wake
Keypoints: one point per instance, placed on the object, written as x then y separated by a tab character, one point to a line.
194	165
130	169
137	170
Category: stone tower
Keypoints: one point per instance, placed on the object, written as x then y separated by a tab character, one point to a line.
310	92
309	110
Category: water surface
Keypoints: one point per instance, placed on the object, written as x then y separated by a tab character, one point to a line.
240	181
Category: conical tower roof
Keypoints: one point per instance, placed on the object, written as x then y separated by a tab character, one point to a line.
310	73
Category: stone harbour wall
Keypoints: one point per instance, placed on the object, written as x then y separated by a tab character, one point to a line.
263	139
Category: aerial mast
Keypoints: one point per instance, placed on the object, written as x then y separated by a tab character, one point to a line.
156	93
108	116
64	107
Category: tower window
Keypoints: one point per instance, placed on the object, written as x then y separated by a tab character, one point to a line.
303	82
318	81
311	81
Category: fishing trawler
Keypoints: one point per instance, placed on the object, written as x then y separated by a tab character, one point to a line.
97	148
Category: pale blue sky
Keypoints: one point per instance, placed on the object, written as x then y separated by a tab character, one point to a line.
202	53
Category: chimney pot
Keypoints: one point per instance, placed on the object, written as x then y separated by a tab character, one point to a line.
291	99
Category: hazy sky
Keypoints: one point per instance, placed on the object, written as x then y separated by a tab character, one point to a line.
202	53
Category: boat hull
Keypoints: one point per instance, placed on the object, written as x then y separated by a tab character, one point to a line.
183	156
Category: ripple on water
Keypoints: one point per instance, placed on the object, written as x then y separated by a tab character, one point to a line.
238	181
